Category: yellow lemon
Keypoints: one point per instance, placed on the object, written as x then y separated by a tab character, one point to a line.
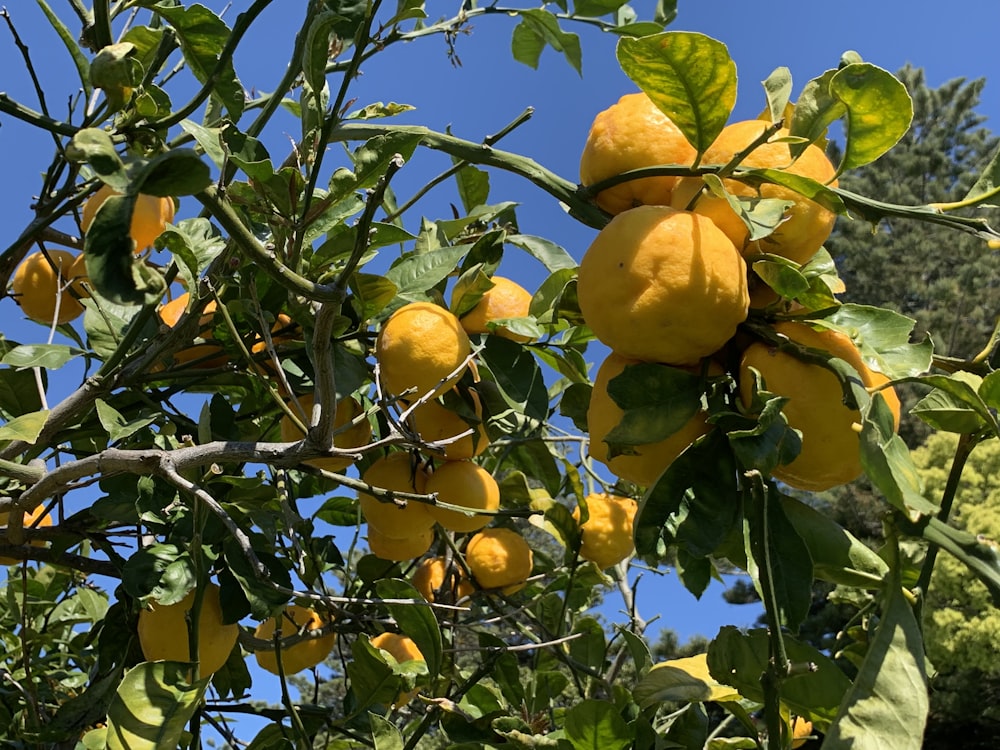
499	558
607	532
295	619
468	485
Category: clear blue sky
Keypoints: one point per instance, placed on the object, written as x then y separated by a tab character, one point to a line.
489	90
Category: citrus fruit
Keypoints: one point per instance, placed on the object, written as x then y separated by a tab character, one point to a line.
39	515
409	547
395	472
648	462
402	649
203	355
149	217
419	347
434	422
806	225
505	299
78	274
280	333
499	558
607	532
346	436
467	484
631	134
831	449
434	575
163	631
294	619
662	285
39	286
801	731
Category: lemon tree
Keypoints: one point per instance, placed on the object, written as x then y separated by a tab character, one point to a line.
285	407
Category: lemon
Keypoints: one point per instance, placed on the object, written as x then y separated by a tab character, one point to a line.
505	299
468	485
39	285
395	472
631	134
607	532
163	632
419	347
499	558
433	575
149	217
294	619
661	285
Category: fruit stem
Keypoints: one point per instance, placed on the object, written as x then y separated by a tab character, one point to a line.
760	550
966	442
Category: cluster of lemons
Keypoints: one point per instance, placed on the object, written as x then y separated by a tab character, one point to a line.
668	280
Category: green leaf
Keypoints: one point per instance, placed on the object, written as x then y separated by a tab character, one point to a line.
95	147
657	401
26	427
689	76
372	293
879	112
112	266
372	158
955	404
589	647
888	463
179	171
263	599
415	620
48	356
519	381
774	542
195	243
473	187
815	109
154	703
203	36
886	707
69	40
574	404
210	140
106	323
692	503
778	90
883	337
782	275
597	725
975	551
378	110
416	273
988	184
372	680
815	191
384	733
18	388
115	423
837	555
740	658
548	253
989	390
539	27
317	49
760	215
162	572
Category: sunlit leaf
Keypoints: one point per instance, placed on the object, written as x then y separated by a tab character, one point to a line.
26	427
878	112
155	701
689	76
681	681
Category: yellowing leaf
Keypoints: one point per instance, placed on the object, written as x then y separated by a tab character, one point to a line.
682	680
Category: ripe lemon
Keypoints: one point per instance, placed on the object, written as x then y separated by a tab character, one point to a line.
163	632
434	422
499	558
201	355
603	415
402	649
38	514
628	135
807	224
420	346
467	484
831	450
149	218
607	532
801	731
433	575
295	619
505	299
352	437
394	471
37	287
662	285
408	548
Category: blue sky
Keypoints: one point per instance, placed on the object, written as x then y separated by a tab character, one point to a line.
489	90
